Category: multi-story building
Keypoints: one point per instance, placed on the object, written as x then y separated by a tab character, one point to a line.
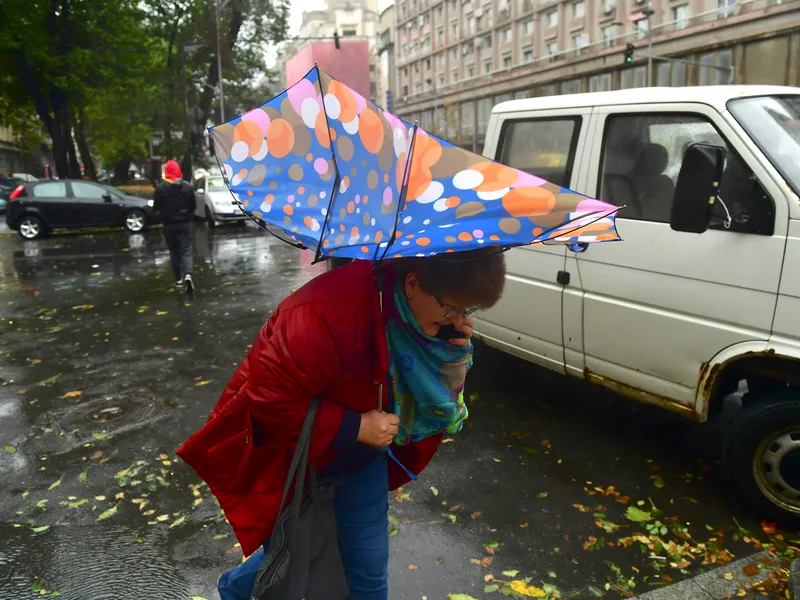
458	58
387	75
352	20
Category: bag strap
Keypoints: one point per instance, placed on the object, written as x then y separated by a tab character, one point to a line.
297	468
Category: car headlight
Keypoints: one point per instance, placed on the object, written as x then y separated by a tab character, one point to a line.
151	203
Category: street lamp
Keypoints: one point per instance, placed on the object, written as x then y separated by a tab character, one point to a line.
219	64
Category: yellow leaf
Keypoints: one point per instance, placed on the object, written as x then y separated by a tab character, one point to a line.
728	576
73	394
202	383
162	517
527	590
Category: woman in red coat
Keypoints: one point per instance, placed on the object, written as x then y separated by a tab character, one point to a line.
387	352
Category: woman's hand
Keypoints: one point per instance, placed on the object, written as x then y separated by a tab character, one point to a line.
466	328
378	428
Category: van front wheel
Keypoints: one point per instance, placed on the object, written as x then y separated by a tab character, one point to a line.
761	456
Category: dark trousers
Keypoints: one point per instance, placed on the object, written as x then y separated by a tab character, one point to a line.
180	241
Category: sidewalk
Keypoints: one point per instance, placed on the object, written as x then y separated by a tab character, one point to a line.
726	581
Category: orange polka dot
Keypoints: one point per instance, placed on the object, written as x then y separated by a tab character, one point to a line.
309	157
452	202
341	227
308	222
246	202
346	181
529	201
364	249
321	130
370	130
450	250
269	198
423	241
326	243
496	177
378	237
398	256
250	193
410	236
398	235
494	238
365	199
288	209
332	133
465	237
250	133
354	232
351	207
242	173
386	177
301	190
537	231
280	138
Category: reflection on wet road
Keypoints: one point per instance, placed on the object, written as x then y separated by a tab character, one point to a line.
105	371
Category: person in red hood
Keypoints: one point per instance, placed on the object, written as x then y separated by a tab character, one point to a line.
387	351
174	203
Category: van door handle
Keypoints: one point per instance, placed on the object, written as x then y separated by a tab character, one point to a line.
578	246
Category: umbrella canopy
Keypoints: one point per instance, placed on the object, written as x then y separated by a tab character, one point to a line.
324	169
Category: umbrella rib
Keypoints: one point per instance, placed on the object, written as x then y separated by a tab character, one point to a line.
337	179
402	198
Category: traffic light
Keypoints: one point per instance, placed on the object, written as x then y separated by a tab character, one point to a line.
628	53
336	40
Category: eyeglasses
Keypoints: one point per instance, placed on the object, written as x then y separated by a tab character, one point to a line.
449	313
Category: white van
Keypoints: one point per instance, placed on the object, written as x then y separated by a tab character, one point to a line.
704	291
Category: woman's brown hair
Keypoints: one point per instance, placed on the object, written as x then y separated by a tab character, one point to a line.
475	278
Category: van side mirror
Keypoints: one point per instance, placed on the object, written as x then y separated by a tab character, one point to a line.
697	188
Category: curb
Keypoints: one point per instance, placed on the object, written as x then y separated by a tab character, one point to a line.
724	581
794	578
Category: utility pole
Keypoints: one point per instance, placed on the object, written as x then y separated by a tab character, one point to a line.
219	65
649	13
187	129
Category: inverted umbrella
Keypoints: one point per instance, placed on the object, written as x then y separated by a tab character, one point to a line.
325	169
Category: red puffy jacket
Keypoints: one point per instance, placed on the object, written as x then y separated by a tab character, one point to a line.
328	339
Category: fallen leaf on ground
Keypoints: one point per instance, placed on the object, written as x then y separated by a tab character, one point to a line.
177	522
162	517
769	527
99	435
527	590
41	529
413	568
751	570
728	576
54	485
10	449
510	573
199	383
73	394
393	531
434	491
108	513
637	515
460	597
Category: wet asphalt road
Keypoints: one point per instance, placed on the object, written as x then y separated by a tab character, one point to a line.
104	371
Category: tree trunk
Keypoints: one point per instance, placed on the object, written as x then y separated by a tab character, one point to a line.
121	170
237	18
86	154
74	165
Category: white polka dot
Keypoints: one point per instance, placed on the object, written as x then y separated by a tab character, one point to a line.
446	226
433	192
297	204
333	231
236	180
262	152
322	194
372	222
493	195
309	111
353	239
358	211
407	220
384	244
228	171
366	238
400	144
481	241
324	212
440	205
314	224
426	222
332	106
405	243
467	179
421	255
352	126
265	207
239	151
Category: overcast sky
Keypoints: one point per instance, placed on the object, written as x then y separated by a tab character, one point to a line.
299	5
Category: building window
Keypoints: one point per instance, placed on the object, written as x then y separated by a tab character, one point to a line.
487	42
600	83
579	42
608	6
640	77
418	88
427	64
608	36
552	48
527	28
522	94
470	72
428	84
453	6
552	19
527	57
454	31
507	61
454	77
441	81
468	120
484	112
440	36
680	14
471	25
507	35
487	66
405	91
726	8
416	67
716	68
678	74
349	32
571	87
626	79
578	10
440	59
724	67
440	13
642	28
662	74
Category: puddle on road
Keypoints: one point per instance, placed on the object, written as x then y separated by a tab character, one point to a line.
80	563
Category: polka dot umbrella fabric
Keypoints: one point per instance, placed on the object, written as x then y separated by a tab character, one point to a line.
325	169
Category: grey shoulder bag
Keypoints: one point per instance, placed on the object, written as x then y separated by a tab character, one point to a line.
303	560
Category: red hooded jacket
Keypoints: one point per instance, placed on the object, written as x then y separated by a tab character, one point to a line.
328	339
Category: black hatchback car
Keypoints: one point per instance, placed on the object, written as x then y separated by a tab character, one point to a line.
36	208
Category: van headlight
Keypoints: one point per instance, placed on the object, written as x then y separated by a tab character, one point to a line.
151	203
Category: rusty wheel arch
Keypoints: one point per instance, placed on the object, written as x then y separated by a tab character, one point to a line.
717	380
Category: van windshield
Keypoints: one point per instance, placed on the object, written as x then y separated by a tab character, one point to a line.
774	124
217	184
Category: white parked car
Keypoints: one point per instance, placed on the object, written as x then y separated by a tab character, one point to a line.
215	204
704	291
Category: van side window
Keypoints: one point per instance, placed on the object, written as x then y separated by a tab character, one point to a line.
642	156
543	147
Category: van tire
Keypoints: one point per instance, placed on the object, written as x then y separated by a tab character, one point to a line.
762	443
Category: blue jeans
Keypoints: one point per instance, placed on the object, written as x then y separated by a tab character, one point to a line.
362	506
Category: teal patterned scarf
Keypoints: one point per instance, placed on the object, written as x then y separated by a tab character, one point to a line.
427	376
